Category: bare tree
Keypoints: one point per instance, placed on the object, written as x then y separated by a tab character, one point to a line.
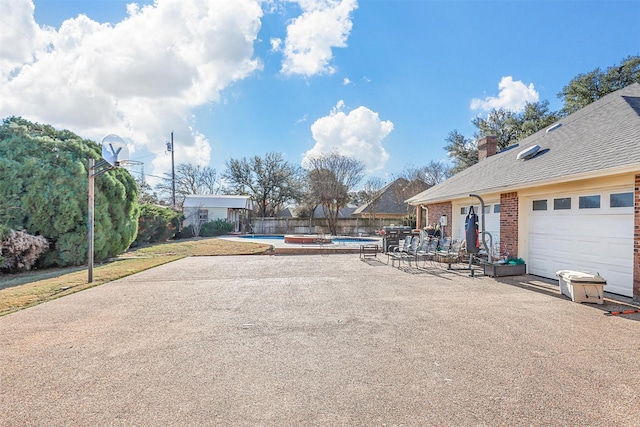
270	181
431	174
190	179
331	177
370	194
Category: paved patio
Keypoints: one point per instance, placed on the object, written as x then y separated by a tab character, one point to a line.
318	340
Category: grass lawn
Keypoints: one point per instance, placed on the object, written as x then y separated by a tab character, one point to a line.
19	291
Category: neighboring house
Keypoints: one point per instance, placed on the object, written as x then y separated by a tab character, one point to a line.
390	203
286	213
345	212
575	204
234	209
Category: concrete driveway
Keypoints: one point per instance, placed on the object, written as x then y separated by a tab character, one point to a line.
317	340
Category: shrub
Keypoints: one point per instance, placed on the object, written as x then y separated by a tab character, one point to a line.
216	228
43	191
156	224
187	232
19	251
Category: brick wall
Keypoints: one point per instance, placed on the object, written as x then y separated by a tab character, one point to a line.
487	147
636	241
509	223
436	210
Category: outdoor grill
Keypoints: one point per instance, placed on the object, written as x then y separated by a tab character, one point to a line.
393	236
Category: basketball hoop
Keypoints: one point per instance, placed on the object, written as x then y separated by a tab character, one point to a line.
130	164
114	150
134	167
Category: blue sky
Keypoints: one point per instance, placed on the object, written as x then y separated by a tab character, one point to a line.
383	81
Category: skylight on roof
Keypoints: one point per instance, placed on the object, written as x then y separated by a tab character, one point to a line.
528	153
554	127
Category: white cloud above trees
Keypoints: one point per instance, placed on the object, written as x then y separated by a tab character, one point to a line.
138	78
312	36
358	134
513	96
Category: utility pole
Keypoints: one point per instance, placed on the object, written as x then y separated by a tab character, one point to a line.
173	173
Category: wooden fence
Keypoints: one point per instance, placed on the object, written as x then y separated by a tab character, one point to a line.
345	227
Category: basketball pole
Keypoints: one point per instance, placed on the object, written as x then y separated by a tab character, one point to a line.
94	170
173	176
92	165
113	147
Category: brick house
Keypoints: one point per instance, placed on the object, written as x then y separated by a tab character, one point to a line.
567	197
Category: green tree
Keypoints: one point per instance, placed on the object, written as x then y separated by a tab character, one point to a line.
510	127
462	151
507	126
330	179
588	87
536	116
271	181
44	191
501	123
146	195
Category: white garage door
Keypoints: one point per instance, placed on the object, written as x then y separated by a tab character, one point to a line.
491	221
592	233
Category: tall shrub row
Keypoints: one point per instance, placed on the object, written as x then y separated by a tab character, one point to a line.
44	189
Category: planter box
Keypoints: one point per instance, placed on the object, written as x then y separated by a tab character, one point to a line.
500	270
582	287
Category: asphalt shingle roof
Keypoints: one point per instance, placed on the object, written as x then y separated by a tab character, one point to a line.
215	201
602	137
391	199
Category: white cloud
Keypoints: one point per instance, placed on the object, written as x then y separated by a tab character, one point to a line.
346	81
138	78
357	134
513	96
302	119
276	44
323	25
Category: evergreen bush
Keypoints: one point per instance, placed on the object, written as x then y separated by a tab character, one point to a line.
156	224
216	227
43	191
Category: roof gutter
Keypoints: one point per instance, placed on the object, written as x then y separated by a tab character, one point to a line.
577	177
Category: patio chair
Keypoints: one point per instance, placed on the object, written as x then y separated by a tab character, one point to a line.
413	249
427	249
443	247
453	254
402	253
404	245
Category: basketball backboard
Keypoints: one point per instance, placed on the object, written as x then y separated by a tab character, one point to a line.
114	149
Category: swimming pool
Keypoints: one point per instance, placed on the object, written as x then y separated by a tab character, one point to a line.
334	239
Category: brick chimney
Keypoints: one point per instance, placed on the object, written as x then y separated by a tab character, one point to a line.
487	146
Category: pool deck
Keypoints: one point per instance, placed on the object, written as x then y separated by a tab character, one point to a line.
282	248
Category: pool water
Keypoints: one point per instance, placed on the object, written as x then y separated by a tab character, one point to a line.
334	239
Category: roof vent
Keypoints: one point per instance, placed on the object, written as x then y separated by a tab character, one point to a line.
528	152
554	127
